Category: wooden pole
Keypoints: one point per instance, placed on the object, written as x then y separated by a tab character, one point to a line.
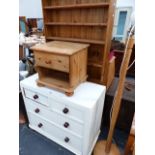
119	92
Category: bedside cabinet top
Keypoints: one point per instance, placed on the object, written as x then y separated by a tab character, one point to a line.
60	47
86	94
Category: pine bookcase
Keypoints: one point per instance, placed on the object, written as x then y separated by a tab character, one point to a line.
83	21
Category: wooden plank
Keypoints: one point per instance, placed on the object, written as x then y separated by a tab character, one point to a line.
94	64
50	81
44	17
78	67
88	5
53	78
74	70
118	94
130	145
76	40
108	38
83	64
111	72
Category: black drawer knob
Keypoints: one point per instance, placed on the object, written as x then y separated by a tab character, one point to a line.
66	139
66	124
40	125
65	110
37	110
35	97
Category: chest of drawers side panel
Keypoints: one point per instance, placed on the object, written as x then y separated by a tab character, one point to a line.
99	112
92	125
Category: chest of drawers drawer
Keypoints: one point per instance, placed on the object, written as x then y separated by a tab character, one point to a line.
65	123
35	96
67	110
53	132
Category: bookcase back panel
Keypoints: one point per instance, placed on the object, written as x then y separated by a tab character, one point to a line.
88	32
89	15
94	73
71	2
95	54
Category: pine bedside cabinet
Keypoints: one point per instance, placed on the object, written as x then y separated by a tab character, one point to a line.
61	65
72	122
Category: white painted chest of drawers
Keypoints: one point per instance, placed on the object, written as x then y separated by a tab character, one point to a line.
73	122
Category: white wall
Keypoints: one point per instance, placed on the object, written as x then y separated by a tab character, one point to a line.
30	8
126	3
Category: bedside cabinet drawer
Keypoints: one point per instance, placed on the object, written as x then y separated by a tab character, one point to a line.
52	61
36	97
65	123
67	111
54	133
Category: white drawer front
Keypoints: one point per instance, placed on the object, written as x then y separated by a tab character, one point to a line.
36	97
71	125
63	138
66	123
67	110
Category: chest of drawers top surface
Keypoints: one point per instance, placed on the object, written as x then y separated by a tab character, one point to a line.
86	94
60	47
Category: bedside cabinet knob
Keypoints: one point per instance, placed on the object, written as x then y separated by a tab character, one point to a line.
66	124
48	62
40	125
35	97
37	110
65	110
66	139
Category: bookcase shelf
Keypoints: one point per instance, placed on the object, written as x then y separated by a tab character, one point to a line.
75	24
94	64
76	40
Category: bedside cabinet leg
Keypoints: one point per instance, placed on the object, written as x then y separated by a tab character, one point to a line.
40	85
69	93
